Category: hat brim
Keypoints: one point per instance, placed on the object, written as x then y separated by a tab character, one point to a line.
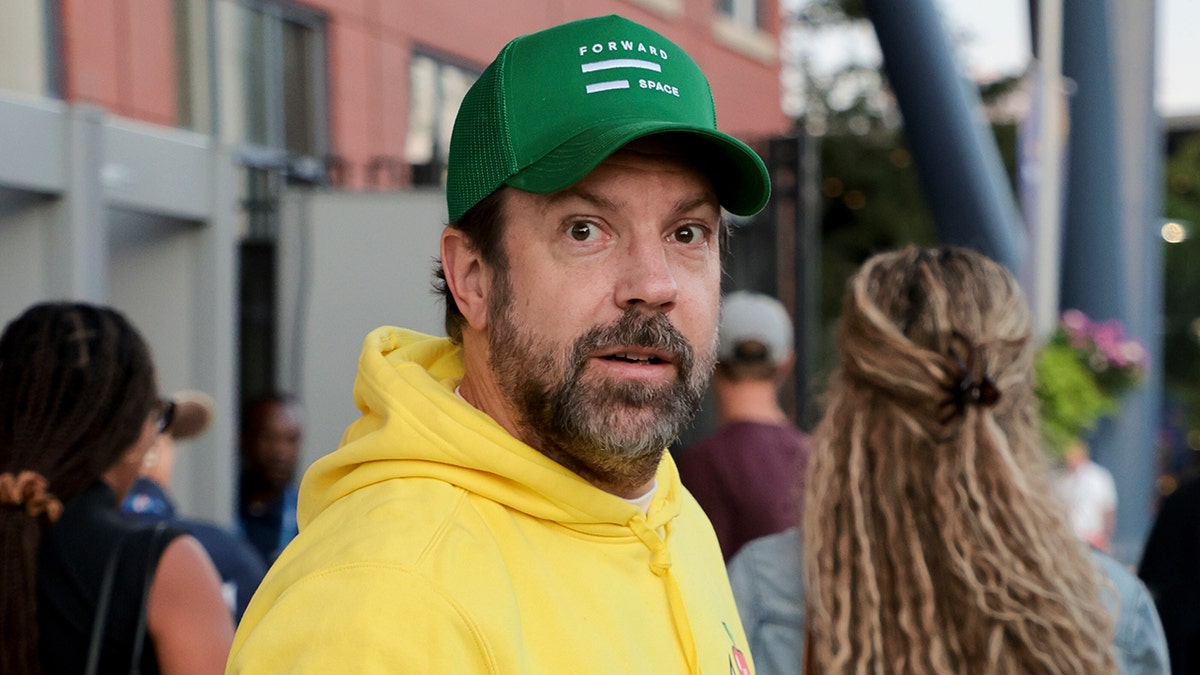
738	173
193	414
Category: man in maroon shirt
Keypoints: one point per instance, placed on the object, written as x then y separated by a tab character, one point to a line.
747	475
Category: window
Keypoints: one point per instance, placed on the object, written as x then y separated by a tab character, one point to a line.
193	89
30	61
272	80
746	13
269	73
742	25
436	90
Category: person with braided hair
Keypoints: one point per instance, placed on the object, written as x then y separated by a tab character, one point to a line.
931	540
84	590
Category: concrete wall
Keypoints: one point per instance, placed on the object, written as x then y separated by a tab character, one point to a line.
142	218
173	279
25	218
350	262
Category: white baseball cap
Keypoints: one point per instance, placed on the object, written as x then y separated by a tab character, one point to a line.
754	317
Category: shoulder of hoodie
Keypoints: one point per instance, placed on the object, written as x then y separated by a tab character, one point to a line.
399	521
361	569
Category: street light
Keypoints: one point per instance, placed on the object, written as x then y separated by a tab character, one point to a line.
1175	230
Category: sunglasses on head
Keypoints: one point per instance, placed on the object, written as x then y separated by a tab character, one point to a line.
166	414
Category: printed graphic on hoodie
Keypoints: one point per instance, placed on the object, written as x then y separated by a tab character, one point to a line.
737	660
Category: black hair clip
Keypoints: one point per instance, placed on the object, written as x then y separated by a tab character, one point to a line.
982	392
968	389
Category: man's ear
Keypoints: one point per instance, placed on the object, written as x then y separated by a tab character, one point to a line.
467	277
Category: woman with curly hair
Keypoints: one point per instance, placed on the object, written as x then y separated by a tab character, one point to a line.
83	589
932	543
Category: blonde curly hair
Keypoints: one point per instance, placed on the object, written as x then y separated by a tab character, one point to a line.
932	543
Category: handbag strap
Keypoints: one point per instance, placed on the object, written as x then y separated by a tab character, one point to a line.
106	587
110	573
139	635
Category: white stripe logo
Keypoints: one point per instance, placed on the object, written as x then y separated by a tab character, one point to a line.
606	86
611	64
621	63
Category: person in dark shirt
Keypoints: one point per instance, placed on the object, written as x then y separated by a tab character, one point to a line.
743	475
1169	569
83	587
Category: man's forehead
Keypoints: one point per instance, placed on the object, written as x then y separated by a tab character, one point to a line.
702	198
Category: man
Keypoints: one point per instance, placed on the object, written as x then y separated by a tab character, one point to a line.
745	474
504	504
270	448
149	500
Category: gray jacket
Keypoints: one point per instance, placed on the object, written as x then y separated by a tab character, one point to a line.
768	585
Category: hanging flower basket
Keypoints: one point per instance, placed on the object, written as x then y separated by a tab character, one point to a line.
1082	372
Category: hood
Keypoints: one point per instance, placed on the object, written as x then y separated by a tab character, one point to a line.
413	424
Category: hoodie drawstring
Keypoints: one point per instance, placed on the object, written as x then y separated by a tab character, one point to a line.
660	565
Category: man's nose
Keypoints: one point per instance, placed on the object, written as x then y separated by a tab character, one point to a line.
647	277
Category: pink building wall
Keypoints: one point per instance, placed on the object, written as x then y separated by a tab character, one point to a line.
120	54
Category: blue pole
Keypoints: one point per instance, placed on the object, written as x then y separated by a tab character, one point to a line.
959	166
1112	252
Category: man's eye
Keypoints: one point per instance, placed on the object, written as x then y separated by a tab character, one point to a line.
582	230
689	234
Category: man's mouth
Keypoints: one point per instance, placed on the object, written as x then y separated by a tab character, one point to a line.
628	357
635	354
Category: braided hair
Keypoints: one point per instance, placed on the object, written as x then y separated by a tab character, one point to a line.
932	544
76	386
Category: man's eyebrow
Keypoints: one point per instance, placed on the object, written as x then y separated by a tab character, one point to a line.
576	192
683	205
699	200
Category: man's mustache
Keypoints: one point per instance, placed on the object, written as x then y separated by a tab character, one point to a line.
637	328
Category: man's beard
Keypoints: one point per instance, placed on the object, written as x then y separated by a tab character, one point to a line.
607	430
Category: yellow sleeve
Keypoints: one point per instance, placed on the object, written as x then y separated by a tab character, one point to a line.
361	618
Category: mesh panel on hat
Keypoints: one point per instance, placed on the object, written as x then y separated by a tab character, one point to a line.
481	156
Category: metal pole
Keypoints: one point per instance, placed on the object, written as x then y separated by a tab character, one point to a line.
1047	251
959	165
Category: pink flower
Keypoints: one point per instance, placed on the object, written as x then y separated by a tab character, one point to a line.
1134	353
1109	337
1077	326
1075	321
1117	361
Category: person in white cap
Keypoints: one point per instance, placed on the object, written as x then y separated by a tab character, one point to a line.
743	475
189	414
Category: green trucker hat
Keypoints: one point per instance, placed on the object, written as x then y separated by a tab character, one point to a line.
556	103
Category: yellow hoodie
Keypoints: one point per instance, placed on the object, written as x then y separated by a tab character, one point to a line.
434	541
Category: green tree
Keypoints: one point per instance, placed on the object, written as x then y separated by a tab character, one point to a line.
1181	297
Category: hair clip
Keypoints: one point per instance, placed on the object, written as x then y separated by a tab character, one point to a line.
967	388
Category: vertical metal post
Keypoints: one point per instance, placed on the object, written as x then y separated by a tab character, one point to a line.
808	276
77	249
958	163
1047	228
1111	265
